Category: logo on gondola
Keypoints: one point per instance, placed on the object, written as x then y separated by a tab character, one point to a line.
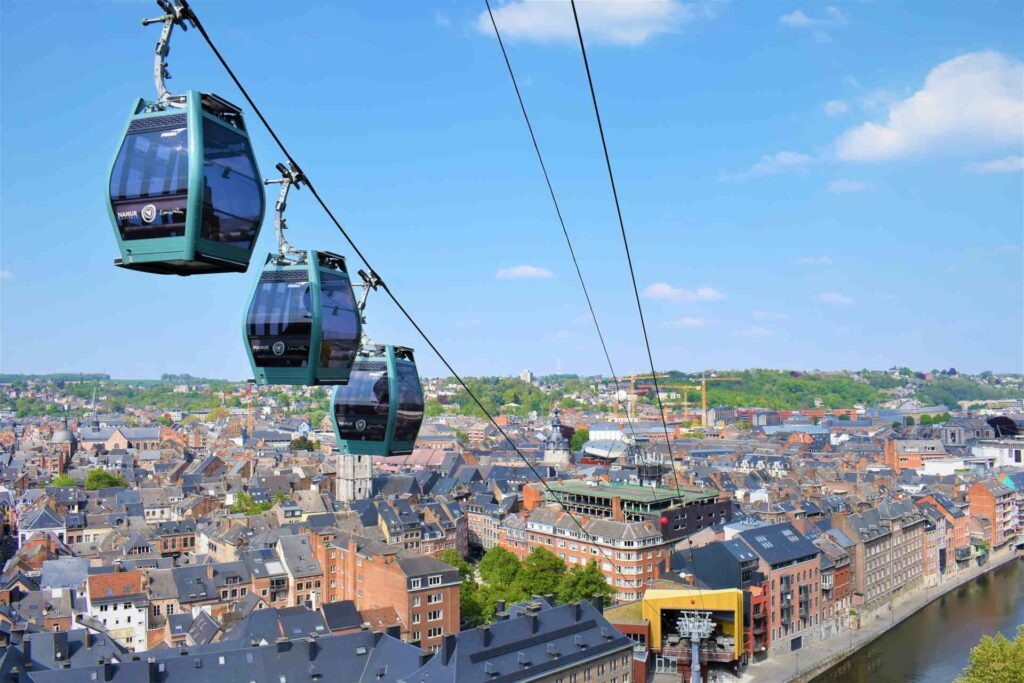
148	213
278	348
360	425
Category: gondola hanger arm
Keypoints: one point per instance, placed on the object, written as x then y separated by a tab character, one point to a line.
175	14
370	281
290	175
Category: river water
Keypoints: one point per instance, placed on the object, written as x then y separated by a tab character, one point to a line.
933	645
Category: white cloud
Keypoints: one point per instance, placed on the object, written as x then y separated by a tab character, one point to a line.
973	101
6	275
524	273
1008	164
660	290
836	108
770	164
816	25
441	19
688	322
835	299
844	185
797	18
814	261
770	315
613	22
753	332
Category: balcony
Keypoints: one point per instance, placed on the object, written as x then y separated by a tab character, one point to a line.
963	554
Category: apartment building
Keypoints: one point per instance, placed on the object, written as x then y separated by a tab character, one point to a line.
958	537
630	554
995	502
423	591
792	570
117	601
888	541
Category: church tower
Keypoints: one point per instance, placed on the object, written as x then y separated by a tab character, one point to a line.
355	477
556	448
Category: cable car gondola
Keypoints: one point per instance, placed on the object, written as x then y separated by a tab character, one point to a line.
184	194
302	325
380	410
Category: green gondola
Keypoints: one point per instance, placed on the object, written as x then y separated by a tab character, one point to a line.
302	324
184	194
380	410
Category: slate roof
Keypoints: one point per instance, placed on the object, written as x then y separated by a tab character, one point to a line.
779	544
529	647
361	657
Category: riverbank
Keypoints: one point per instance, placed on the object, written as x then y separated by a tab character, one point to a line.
817	658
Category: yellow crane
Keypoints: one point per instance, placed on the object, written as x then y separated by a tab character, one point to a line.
703	386
632	392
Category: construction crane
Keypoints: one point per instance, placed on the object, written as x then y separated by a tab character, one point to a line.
631	409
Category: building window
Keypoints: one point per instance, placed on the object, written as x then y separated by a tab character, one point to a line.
416	601
434	632
415	617
435	615
416	583
434	580
435	598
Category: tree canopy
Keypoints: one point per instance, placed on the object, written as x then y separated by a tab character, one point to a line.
504	578
579	437
996	660
102	479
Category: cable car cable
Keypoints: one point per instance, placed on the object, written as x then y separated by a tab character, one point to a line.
558	210
625	243
381	283
629	260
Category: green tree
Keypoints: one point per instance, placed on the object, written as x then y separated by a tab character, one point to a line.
910	421
164	420
996	660
541	573
244	504
101	479
499	567
303	444
316	417
453	558
63	480
579	437
582	583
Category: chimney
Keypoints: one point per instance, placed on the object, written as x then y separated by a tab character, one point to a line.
311	647
577	611
598	602
395	631
108	671
550	597
617	514
448	648
500	606
534	621
283	644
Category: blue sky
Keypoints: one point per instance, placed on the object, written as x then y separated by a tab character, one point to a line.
805	185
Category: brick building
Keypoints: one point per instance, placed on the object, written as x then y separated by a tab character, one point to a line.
888	542
630	554
423	591
994	501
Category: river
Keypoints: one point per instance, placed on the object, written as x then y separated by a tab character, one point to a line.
933	645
